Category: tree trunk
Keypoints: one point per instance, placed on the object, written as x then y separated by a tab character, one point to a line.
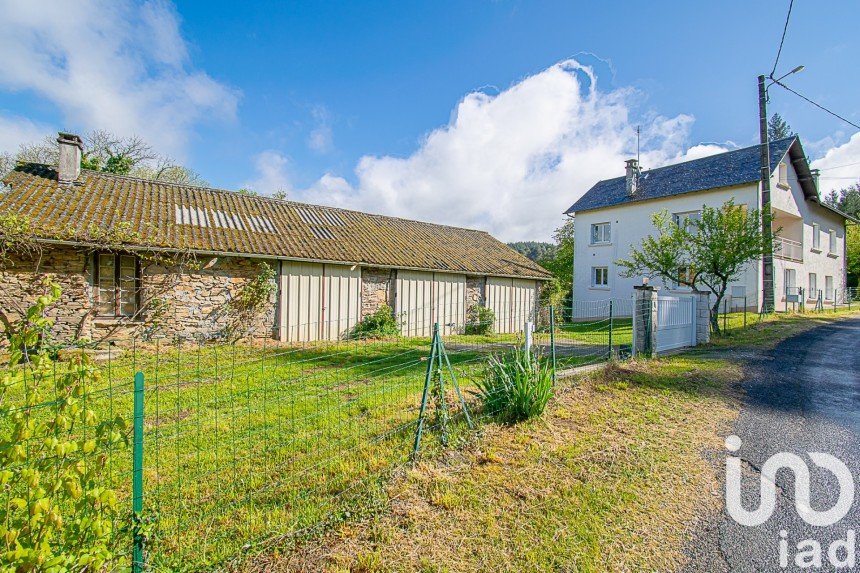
715	314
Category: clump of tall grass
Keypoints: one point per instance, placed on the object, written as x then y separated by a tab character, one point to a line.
516	386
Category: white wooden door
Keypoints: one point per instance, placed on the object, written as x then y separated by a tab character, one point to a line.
513	302
413	303
341	296
318	302
449	302
300	304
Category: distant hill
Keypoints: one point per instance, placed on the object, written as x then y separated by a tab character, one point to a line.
535	250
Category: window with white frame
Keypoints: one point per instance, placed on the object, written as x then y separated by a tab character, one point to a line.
601	233
783	174
816	236
832	242
600	276
828	288
813	286
686	218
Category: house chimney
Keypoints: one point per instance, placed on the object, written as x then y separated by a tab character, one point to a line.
71	147
632	176
815	174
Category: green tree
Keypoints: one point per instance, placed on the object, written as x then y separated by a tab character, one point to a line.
534	250
710	252
847	200
778	128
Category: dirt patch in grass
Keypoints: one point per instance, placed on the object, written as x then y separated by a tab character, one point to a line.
613	477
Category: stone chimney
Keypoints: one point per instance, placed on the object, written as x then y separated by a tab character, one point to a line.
816	173
71	147
632	176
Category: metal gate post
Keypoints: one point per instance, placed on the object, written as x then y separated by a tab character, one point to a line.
137	563
610	329
428	378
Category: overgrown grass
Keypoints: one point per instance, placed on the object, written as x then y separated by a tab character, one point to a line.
608	480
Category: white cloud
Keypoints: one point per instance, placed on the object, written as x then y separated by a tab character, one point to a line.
840	166
272	176
15	130
512	162
321	137
111	64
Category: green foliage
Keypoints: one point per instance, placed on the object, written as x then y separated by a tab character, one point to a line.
852	246
711	252
534	250
480	320
380	324
516	386
249	302
846	200
249	192
16	237
55	516
560	264
119	164
778	128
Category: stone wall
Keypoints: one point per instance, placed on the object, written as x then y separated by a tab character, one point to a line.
377	289
21	281
197	302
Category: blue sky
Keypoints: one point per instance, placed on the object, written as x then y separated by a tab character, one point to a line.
368	105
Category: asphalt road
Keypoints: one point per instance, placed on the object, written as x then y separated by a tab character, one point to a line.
803	396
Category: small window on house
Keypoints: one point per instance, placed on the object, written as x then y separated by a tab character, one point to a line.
828	288
816	236
783	174
600	233
117	284
687	218
813	286
600	276
832	242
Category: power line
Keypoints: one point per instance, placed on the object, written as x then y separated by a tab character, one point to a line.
839	166
782	41
819	106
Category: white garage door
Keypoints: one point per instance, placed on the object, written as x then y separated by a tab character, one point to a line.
318	302
513	302
424	298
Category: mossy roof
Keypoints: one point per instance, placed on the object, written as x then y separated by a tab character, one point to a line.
182	217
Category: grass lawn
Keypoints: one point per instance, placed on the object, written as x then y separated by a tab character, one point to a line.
766	331
243	444
609	479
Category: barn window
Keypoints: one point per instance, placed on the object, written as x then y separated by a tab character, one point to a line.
117	279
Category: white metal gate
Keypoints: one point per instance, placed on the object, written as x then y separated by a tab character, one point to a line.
676	322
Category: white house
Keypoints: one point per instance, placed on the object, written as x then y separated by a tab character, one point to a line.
615	215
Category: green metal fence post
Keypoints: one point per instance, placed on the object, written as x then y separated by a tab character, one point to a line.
428	378
137	476
745	311
552	340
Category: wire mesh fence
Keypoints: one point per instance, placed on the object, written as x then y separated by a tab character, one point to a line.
222	449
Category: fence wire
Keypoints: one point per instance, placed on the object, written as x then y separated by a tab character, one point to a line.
246	444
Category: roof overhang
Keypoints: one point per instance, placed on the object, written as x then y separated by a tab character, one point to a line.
807	181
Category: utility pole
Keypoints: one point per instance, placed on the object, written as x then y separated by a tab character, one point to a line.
766	229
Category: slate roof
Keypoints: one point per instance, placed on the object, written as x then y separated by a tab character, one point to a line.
171	216
736	167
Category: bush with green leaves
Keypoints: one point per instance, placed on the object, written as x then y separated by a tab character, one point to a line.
380	324
516	386
55	513
480	320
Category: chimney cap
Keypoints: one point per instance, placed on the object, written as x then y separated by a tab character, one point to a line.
70	138
631	162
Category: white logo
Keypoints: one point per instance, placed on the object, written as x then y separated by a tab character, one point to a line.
801	487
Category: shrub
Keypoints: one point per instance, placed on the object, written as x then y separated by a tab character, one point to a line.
480	320
55	515
380	324
516	386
